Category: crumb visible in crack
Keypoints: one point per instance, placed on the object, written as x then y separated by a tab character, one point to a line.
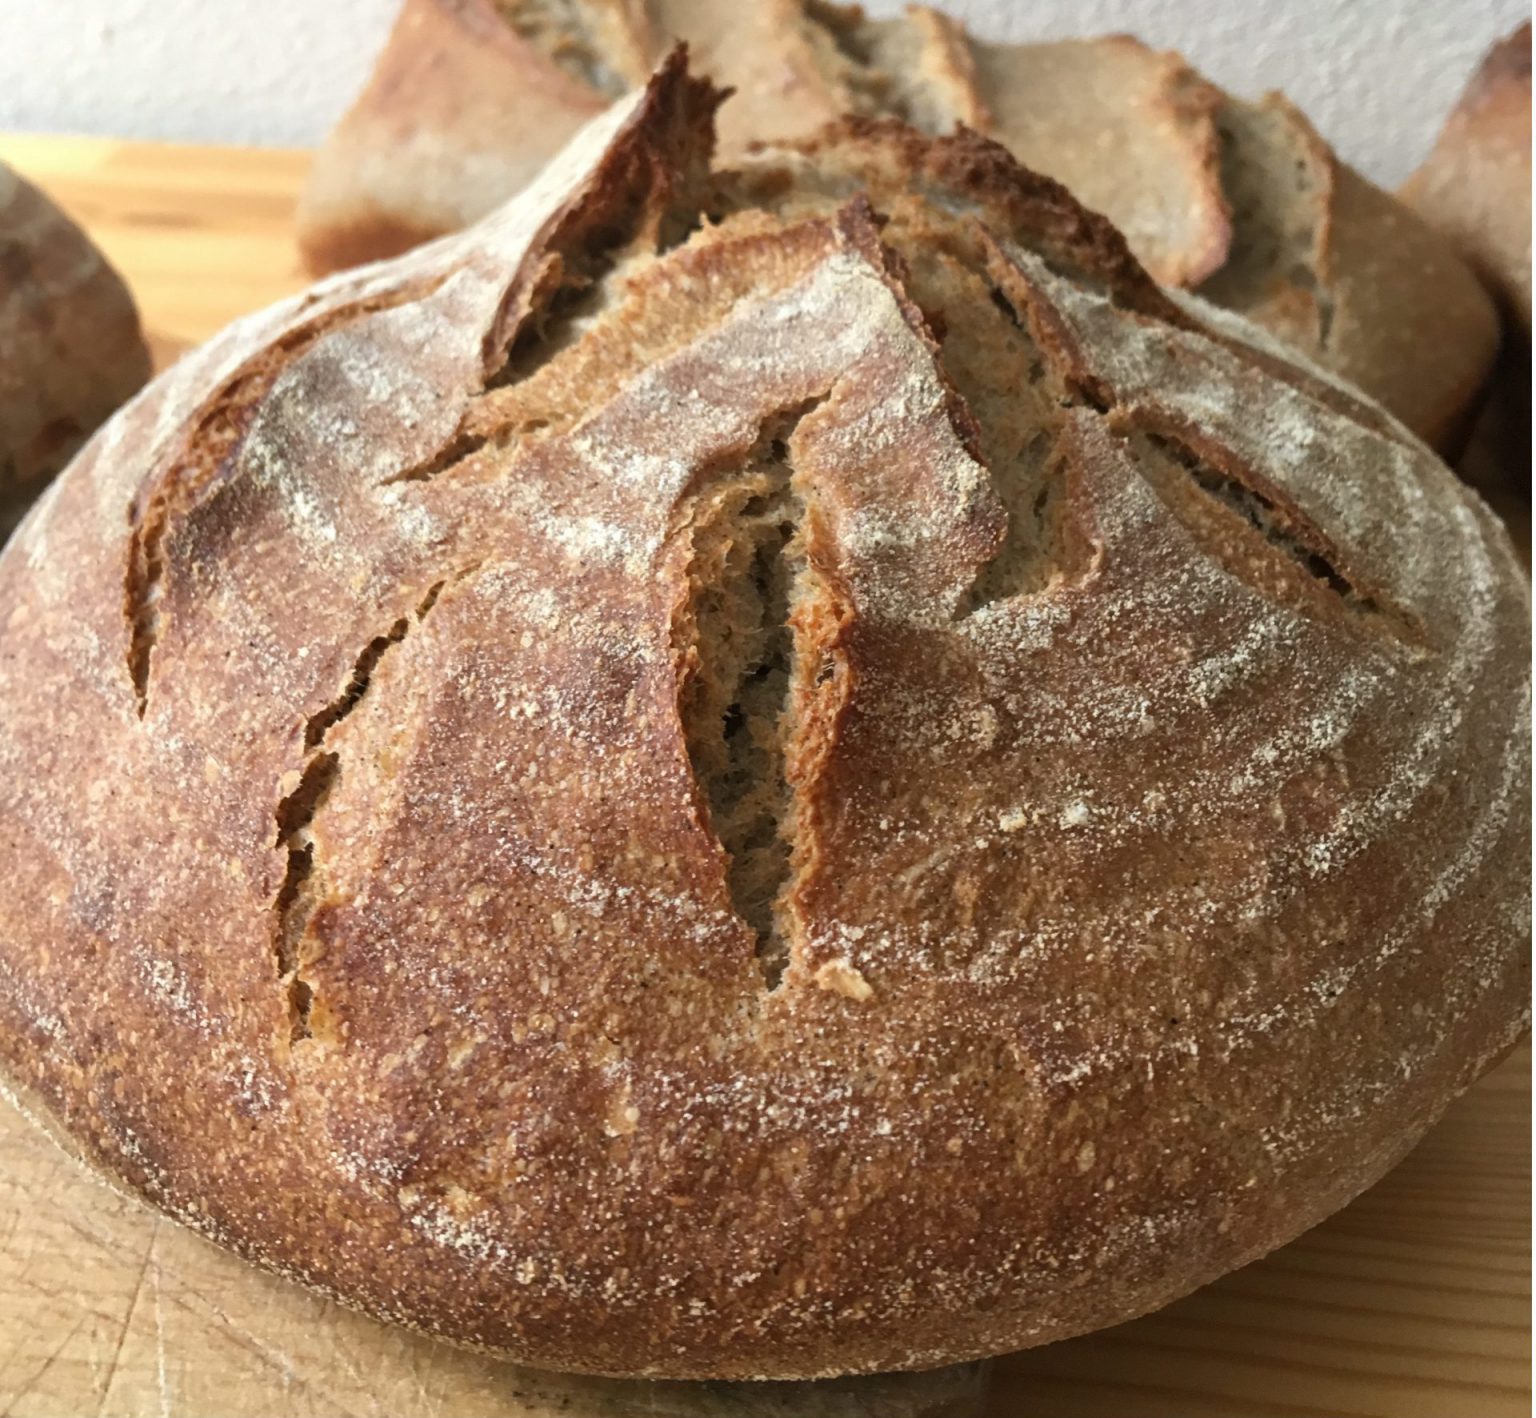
141	602
1042	547
339	708
998	368
747	570
149	518
652	203
1165	458
294	906
362	672
574	281
1265	518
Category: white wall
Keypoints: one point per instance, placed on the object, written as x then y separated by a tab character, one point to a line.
1376	76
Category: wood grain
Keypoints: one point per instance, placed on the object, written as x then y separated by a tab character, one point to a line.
108	1309
1414	1302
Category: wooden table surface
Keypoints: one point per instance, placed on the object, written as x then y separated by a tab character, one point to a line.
1414	1302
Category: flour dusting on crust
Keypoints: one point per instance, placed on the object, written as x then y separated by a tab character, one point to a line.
765	773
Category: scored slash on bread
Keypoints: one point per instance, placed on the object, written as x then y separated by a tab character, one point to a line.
71	349
1241	201
758	773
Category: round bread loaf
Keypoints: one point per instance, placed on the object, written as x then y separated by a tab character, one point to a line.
71	350
759	773
1243	202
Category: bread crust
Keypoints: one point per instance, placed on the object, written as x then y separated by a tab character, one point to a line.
1134	133
1129	130
1475	186
1156	745
1370	266
459	112
73	349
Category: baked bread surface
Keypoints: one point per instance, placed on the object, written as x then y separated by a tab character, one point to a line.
1243	201
768	773
1475	186
71	350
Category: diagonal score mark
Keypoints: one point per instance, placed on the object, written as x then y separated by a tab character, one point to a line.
1186	471
214	432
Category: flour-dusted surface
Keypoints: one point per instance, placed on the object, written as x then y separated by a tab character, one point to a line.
1159	823
1243	201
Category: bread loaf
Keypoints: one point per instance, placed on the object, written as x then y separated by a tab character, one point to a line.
1475	187
71	349
758	773
1242	201
1476	184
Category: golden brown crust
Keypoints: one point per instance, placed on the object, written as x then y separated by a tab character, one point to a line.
1155	748
72	347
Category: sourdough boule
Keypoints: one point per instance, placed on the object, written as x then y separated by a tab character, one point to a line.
757	773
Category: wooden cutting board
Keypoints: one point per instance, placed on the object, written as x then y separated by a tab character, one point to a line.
1413	1301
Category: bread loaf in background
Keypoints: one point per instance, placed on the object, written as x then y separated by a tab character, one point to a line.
1242	201
1475	187
760	772
71	350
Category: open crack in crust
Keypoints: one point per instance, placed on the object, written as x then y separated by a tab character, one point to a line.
764	774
